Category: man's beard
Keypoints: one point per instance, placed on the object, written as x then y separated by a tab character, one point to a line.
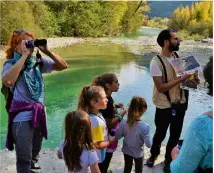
173	48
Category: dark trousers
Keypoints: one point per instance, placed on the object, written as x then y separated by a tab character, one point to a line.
129	162
164	119
105	164
28	143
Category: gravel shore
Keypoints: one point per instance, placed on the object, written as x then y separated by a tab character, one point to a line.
51	164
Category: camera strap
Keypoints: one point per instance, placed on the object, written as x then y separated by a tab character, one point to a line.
38	61
165	77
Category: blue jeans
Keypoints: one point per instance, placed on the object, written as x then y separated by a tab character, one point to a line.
28	143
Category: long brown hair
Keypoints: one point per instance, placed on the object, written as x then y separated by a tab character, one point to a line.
136	108
77	136
105	78
88	93
15	39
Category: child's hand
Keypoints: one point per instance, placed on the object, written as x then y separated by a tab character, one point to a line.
119	105
111	138
123	112
174	153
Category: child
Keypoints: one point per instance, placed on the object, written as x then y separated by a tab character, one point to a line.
135	133
77	148
92	99
110	84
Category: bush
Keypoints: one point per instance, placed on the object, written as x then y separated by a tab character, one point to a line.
158	22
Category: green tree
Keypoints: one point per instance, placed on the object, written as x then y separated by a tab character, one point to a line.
44	18
196	20
16	15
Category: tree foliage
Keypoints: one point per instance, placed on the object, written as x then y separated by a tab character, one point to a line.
157	22
195	20
71	18
32	16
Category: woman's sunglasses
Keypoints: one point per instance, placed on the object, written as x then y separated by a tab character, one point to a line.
20	31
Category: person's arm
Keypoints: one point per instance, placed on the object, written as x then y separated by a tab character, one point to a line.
110	122
163	87
156	73
59	154
95	168
192	151
93	162
104	144
59	63
145	136
119	131
118	105
9	79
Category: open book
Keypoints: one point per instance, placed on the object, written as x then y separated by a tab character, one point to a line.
187	65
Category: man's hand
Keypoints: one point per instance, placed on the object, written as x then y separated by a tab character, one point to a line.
174	153
185	76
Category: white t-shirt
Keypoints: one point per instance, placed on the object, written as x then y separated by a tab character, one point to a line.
88	158
155	69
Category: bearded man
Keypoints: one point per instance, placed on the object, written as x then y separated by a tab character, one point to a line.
166	92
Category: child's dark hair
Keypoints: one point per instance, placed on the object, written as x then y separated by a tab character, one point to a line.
88	93
208	75
164	35
105	78
137	106
77	136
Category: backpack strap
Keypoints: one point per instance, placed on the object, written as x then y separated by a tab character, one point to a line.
165	78
175	53
39	61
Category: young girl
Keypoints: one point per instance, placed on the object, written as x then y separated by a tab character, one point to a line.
110	84
92	99
77	148
135	133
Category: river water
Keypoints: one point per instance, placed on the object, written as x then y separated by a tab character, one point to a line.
87	60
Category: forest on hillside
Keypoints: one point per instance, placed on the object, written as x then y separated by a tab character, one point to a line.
191	22
99	18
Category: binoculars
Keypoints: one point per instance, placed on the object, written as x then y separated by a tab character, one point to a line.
36	43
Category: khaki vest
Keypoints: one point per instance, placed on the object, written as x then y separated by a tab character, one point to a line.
160	99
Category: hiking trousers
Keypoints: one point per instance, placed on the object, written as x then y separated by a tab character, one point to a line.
28	143
163	120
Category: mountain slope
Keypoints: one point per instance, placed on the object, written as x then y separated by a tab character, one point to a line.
165	8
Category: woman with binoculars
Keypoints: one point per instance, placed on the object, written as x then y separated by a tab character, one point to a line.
27	117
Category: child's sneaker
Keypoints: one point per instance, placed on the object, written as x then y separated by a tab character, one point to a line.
150	162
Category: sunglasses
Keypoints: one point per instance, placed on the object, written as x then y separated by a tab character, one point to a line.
20	31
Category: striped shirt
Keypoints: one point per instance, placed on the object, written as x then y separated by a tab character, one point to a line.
99	133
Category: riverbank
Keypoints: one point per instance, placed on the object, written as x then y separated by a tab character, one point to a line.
142	45
51	164
148	44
